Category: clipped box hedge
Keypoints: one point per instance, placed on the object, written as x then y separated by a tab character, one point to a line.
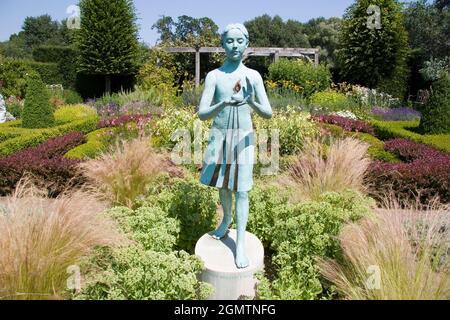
96	144
49	72
33	137
376	148
68	118
386	130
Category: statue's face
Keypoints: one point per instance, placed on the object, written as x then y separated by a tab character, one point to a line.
235	44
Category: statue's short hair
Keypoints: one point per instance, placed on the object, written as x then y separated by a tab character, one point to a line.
238	26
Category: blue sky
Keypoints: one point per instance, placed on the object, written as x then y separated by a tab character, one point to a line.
13	12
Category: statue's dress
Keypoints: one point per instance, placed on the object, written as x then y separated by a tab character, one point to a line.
229	156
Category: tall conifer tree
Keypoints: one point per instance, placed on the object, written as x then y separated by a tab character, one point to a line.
108	38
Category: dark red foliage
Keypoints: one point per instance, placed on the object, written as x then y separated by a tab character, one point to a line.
426	171
345	123
46	162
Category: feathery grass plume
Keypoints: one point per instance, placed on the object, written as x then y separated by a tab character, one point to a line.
42	238
335	168
126	171
399	254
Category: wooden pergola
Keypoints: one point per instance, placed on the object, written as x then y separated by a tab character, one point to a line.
275	53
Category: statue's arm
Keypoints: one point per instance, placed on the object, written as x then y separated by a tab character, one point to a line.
205	110
262	103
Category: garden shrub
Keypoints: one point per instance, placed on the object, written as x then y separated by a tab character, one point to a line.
31	138
436	113
309	77
37	112
163	129
122	120
370	56
308	232
60	96
97	143
14	75
191	95
8	135
331	101
49	72
69	113
191	203
132	273
284	94
149	226
65	59
147	269
72	97
294	128
138	101
376	148
161	79
44	162
397	83
386	130
346	123
267	205
425	175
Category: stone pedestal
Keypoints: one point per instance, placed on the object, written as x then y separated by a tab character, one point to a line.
229	282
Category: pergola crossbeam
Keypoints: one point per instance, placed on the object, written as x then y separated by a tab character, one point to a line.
267	52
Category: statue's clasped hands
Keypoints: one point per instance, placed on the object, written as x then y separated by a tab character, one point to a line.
239	99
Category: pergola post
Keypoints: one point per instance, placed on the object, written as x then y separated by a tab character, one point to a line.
276	56
197	67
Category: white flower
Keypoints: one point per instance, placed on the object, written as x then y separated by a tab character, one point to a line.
346	114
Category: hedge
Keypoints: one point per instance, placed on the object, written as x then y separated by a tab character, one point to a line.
376	149
44	162
386	130
49	72
65	59
33	137
13	74
425	172
96	143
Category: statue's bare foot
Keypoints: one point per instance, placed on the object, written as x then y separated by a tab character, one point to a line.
222	231
241	259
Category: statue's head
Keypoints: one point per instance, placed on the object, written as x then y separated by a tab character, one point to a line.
235	40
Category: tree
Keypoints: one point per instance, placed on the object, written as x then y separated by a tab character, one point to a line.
427	30
16	47
39	30
436	114
442	4
187	31
266	31
108	38
324	34
37	111
369	53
